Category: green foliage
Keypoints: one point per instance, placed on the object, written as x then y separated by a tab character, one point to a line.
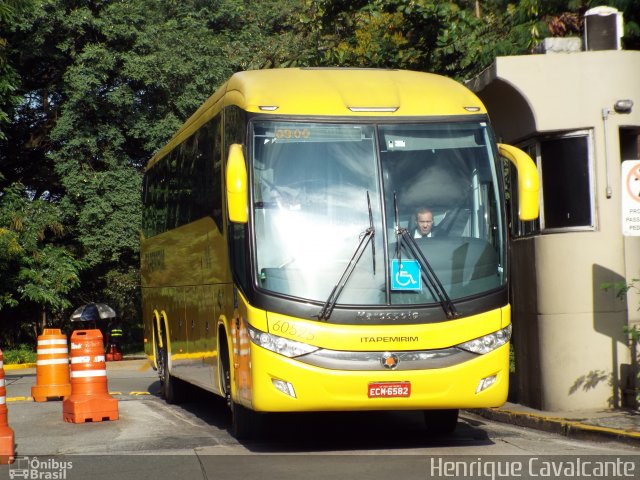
36	270
444	36
9	79
262	33
47	277
10	256
439	36
104	85
633	332
621	288
122	291
21	354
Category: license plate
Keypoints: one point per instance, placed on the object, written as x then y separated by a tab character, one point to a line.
389	389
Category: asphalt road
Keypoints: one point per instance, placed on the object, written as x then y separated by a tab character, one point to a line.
154	440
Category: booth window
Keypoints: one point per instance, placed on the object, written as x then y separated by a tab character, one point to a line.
629	143
566	185
565	163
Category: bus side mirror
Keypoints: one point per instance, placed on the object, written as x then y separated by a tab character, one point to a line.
528	181
237	204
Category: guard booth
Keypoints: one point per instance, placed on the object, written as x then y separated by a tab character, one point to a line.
577	113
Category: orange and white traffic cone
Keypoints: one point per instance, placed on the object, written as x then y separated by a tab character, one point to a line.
89	400
52	367
7	444
113	353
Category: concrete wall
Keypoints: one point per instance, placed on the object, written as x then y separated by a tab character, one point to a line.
570	344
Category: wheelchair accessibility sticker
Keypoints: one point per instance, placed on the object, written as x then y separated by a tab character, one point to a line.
405	275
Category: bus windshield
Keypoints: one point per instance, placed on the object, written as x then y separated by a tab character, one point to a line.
320	188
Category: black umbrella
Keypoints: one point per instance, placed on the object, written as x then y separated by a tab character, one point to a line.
92	312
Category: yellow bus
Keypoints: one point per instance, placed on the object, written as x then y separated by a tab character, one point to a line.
332	239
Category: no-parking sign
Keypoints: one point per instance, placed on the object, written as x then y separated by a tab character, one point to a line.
631	198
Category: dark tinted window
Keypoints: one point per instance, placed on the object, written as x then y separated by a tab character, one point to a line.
565	182
186	184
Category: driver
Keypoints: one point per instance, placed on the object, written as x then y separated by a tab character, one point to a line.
424	224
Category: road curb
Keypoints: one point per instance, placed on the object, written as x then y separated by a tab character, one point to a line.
19	366
561	426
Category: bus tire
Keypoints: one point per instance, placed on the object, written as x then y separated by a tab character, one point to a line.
441	422
170	387
245	423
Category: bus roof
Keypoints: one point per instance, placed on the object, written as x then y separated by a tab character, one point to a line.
334	92
347	91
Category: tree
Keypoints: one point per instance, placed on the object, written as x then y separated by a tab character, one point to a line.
262	33
104	85
37	272
9	10
440	36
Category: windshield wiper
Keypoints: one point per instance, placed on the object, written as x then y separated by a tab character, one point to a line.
433	283
365	237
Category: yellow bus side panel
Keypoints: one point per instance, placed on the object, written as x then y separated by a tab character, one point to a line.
185	273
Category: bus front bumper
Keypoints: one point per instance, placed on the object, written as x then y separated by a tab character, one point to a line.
280	384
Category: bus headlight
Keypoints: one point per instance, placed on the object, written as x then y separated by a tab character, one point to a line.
487	343
283	346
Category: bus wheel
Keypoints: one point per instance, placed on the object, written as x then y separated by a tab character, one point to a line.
170	387
244	422
441	422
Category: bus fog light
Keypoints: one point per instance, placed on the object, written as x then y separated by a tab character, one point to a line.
284	387
486	383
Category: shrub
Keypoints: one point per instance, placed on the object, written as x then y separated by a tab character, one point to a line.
22	354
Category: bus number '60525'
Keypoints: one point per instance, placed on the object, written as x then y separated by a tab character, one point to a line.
292	329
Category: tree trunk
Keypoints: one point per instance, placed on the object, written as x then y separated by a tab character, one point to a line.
40	326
